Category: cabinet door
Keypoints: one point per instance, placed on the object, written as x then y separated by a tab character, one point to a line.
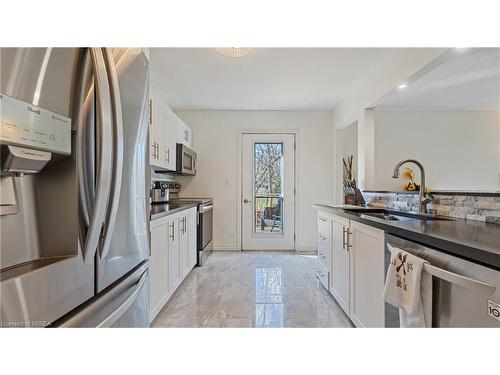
157	130
183	245
367	275
158	270
340	262
170	140
173	253
192	233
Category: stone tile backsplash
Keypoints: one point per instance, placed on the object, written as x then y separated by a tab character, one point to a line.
479	208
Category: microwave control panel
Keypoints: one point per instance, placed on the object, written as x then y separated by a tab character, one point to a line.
26	125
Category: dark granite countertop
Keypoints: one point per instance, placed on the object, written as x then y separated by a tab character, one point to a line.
161	210
473	240
490	193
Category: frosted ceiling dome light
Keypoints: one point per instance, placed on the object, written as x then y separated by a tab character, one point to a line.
233	51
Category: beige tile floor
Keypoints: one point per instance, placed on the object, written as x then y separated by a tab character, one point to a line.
253	289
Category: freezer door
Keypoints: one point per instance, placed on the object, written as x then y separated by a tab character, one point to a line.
43	275
126	304
125	242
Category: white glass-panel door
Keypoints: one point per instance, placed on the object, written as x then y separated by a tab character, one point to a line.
268	184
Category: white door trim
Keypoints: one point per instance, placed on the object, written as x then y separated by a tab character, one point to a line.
295	133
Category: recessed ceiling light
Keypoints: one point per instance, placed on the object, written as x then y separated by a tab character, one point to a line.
402	86
233	51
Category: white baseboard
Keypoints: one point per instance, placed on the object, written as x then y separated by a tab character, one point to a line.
306	250
225	247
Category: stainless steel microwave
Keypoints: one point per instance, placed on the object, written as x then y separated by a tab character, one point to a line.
186	160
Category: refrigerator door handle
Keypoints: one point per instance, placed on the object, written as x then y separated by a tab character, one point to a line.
84	112
105	152
125	305
118	151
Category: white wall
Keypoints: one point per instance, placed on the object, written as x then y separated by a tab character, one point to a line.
459	148
346	141
399	65
216	136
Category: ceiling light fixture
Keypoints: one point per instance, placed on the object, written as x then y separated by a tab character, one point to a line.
233	51
402	86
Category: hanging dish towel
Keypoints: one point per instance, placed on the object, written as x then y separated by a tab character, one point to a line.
409	288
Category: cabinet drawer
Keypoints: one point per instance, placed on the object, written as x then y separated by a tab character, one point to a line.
323	275
323	221
324	256
324	237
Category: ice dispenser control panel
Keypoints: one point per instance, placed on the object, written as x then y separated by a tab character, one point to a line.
26	125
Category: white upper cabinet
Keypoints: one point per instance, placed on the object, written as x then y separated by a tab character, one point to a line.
184	133
170	139
162	133
157	125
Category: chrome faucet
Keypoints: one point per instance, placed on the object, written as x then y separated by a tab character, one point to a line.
423	197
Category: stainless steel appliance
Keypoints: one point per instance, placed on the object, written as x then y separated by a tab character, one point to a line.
186	160
159	192
465	294
204	225
74	245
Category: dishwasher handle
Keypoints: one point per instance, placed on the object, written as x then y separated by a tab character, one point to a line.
454	278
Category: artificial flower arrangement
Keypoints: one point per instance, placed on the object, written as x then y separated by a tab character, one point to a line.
410	185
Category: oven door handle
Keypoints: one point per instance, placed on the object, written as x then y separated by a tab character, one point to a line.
467	282
204	209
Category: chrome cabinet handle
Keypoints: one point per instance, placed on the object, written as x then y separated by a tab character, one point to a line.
105	123
151	111
246	200
155	150
172	236
167	155
345	238
118	151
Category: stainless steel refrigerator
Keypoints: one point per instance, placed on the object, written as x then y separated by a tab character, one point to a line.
73	213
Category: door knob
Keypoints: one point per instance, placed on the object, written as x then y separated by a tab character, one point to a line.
246	200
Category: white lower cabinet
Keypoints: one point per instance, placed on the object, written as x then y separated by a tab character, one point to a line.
340	262
187	241
356	267
158	270
367	275
173	255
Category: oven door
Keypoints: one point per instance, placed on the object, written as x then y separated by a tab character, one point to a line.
205	229
186	160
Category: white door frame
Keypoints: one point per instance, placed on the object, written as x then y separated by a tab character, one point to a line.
239	213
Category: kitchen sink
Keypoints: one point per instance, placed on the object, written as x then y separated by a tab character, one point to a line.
388	216
391	215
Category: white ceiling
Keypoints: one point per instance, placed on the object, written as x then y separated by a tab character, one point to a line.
466	78
266	79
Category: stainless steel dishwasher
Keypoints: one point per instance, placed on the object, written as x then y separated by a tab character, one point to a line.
464	294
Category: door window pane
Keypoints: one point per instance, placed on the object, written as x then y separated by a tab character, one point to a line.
268	188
